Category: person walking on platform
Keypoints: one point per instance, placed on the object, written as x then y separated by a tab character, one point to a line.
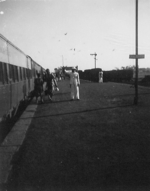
50	80
38	88
74	83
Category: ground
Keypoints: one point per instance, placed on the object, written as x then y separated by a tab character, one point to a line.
101	142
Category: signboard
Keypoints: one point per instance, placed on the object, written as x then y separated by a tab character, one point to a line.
133	56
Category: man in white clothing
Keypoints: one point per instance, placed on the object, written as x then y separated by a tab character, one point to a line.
74	83
100	76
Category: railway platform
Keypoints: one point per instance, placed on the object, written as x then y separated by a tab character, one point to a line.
98	143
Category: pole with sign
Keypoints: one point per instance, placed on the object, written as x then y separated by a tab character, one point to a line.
94	58
136	56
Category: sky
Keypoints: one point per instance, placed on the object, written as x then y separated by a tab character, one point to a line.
59	33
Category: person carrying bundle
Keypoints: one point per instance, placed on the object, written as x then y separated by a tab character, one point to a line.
38	88
50	81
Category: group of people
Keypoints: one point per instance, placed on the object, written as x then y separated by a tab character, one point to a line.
44	85
49	82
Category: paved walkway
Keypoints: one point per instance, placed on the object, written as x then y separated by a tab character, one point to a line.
13	142
80	145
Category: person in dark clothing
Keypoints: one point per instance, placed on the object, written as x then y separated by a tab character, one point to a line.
50	80
44	76
38	88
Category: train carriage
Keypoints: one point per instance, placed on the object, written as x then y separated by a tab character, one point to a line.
17	73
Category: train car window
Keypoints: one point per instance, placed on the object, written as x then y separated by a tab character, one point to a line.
1	73
25	70
16	73
31	73
5	73
33	70
27	73
24	73
11	73
20	71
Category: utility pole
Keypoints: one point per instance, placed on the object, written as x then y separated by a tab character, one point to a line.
94	57
136	56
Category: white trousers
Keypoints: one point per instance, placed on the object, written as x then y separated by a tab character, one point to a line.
74	91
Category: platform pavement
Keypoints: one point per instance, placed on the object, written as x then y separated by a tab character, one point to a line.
13	142
62	106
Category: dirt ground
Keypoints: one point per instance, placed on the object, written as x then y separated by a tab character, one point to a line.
101	142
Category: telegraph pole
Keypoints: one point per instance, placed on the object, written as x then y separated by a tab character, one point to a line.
136	56
94	57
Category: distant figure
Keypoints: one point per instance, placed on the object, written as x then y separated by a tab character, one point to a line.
38	88
100	76
44	81
63	73
57	76
50	80
74	83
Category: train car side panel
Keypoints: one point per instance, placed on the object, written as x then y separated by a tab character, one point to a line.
17	74
18	88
